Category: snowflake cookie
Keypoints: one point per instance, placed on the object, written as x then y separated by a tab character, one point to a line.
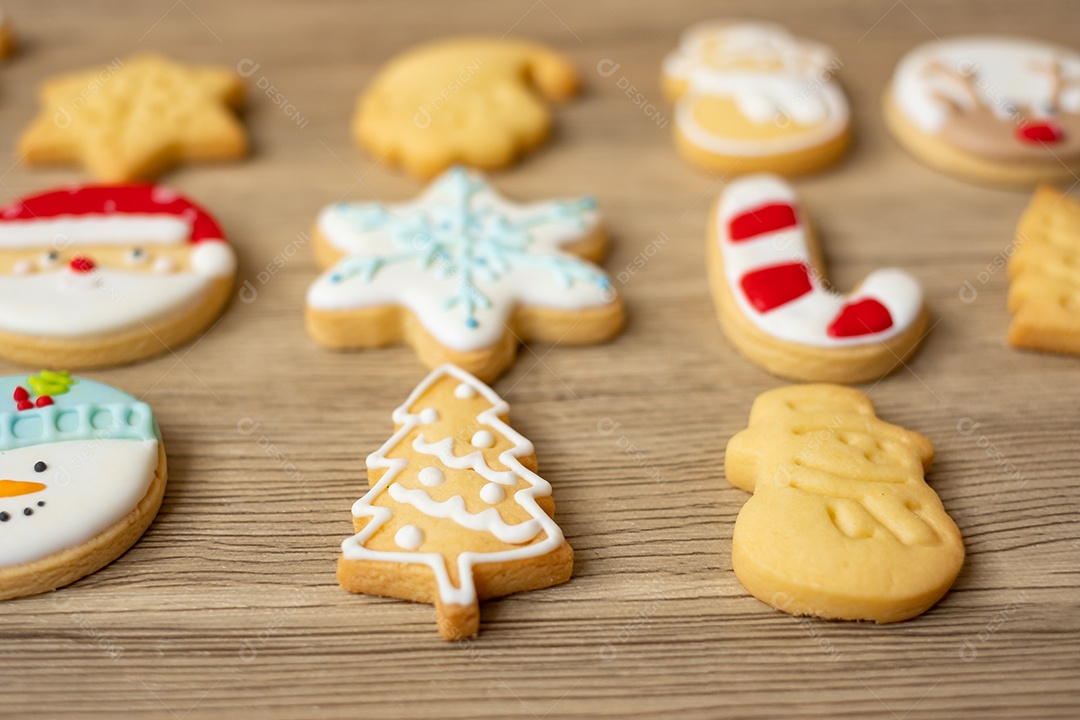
462	275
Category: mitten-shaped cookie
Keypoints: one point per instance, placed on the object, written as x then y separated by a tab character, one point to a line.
842	524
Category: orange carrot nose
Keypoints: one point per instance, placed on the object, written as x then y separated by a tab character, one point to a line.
82	264
15	488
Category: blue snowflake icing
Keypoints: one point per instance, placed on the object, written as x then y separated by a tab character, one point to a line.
463	237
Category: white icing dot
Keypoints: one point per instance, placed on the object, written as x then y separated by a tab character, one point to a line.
429	415
464	391
409	537
492	493
432	476
164	265
483	439
23	267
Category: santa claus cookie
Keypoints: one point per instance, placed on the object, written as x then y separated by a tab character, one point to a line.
990	109
751	97
82	473
462	275
99	275
456	512
774	306
480	102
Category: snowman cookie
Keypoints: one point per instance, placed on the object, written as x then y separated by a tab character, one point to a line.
775	307
99	275
456	512
462	275
989	109
752	97
82	474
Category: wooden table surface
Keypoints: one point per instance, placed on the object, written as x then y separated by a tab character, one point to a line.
228	606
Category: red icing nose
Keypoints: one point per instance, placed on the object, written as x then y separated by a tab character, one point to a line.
82	264
1040	132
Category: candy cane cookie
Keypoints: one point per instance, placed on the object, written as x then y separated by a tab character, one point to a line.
775	306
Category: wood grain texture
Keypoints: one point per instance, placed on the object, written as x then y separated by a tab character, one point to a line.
228	606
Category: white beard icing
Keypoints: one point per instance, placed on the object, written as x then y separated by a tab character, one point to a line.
90	485
68	304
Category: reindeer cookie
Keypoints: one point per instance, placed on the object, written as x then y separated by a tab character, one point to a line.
774	307
752	97
842	524
480	102
1044	297
456	512
461	275
989	109
82	474
98	275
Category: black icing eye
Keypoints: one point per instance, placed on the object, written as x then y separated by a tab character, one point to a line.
136	255
40	466
52	257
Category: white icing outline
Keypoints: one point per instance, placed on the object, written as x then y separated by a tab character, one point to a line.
353	547
805	319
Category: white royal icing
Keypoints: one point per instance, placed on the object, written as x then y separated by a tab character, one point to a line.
461	258
796	86
67	304
806	319
90	485
95	230
1006	75
432	476
453	508
409	537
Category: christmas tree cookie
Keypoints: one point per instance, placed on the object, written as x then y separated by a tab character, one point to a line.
456	512
462	275
99	275
82	474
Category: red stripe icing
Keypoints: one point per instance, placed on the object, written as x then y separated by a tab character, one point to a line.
863	317
115	200
760	220
771	287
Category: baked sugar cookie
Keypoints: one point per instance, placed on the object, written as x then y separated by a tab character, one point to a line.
461	275
752	97
136	119
841	524
773	303
480	102
989	109
1044	294
456	512
82	474
98	275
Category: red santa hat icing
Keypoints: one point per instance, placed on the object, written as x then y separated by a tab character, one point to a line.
116	214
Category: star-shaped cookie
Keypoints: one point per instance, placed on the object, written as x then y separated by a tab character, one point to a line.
462	275
136	118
